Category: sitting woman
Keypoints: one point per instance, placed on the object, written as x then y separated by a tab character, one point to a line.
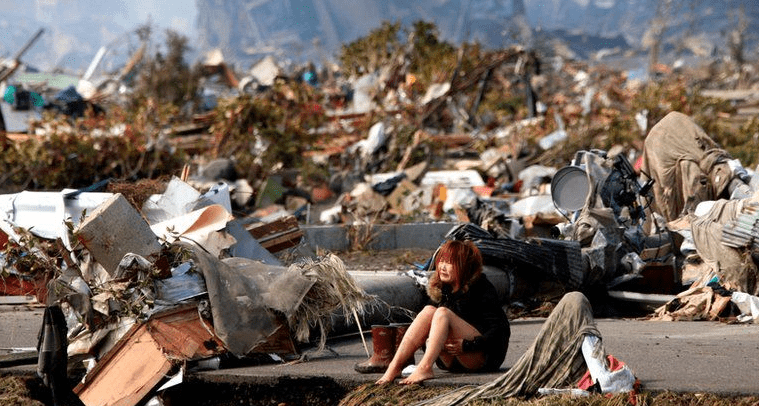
464	327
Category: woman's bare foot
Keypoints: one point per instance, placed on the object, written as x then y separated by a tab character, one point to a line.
388	377
418	376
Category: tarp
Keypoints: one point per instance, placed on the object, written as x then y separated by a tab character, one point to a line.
734	267
687	166
241	318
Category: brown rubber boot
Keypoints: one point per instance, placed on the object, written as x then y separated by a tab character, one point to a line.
400	330
383	348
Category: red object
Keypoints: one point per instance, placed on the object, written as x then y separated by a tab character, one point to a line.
3	239
638	164
483	191
517	186
586	381
321	193
18	285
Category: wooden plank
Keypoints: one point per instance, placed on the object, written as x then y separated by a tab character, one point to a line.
719	304
129	375
280	225
282	242
146	353
180	330
737	94
277	235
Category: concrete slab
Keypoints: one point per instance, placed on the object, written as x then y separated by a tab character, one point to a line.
379	236
677	356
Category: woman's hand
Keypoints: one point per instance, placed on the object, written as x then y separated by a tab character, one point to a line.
454	346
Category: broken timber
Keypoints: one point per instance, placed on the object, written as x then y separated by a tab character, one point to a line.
277	235
145	355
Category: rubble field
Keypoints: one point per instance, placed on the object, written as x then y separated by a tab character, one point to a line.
157	212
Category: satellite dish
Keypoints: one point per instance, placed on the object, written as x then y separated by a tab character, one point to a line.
570	187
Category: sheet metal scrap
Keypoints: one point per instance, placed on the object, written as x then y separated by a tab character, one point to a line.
744	230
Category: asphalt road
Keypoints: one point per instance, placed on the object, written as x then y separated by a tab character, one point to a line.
679	356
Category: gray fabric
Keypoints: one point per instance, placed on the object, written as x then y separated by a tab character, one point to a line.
553	360
734	266
687	166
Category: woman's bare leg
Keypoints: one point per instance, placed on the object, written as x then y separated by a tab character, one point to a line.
413	340
445	325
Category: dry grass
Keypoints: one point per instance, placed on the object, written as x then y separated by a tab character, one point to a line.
17	391
376	395
139	191
14	392
333	289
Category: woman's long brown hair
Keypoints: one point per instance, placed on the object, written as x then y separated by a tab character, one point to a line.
466	260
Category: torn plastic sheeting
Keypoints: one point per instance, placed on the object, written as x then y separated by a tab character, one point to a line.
217	194
248	247
177	200
748	305
198	226
286	290
44	213
131	265
240	317
98	342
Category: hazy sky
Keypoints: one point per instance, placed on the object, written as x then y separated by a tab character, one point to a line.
75	29
176	14
179	15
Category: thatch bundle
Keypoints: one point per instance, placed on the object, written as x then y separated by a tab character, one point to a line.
333	291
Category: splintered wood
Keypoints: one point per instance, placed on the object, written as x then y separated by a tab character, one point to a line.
277	235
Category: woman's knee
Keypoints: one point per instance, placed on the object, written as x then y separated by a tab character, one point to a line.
426	313
429	309
443	313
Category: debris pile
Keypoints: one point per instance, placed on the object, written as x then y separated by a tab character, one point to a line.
177	283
